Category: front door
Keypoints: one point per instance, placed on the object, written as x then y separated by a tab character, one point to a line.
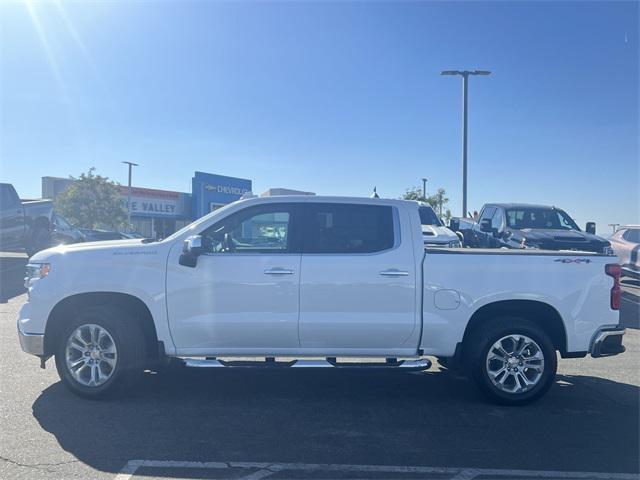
242	296
358	283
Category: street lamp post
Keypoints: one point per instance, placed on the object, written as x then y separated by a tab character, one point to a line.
424	188
465	88
131	165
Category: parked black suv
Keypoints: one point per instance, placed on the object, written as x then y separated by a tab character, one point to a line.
514	225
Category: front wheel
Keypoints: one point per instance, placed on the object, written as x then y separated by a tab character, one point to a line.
99	352
511	360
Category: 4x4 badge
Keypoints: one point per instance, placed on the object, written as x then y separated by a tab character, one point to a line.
573	260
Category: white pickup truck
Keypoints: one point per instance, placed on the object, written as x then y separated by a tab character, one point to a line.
289	280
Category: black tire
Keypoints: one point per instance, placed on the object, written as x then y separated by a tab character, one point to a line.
483	338
39	240
129	344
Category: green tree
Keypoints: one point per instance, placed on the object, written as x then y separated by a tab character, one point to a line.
447	216
92	201
437	200
440	200
414	193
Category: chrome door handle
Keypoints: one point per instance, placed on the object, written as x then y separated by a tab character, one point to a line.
394	273
278	271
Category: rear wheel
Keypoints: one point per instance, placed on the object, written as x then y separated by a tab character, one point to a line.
99	352
511	360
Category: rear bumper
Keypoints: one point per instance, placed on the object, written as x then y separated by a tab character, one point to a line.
631	271
607	342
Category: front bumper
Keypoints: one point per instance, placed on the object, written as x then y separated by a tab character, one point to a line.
607	342
32	343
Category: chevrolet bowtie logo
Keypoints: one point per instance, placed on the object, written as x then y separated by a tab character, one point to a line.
209	187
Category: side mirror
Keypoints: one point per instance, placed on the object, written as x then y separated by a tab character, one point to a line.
590	228
485	225
454	224
192	247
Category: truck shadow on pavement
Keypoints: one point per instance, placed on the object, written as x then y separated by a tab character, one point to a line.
391	418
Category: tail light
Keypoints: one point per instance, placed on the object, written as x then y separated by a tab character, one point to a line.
614	270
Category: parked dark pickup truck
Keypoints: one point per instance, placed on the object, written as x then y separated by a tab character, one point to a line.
24	224
512	225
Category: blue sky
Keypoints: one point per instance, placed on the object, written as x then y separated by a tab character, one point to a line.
329	97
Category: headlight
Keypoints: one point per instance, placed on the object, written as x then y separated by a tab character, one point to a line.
455	244
36	271
607	251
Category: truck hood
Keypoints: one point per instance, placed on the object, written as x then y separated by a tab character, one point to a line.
436	234
86	247
558	239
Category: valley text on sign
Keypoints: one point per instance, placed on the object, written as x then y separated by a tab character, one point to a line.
147	201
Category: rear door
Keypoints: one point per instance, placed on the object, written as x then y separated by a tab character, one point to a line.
358	279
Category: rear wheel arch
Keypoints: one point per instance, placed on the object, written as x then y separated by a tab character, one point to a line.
68	308
542	314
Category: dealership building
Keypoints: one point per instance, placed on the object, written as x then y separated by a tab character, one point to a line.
158	213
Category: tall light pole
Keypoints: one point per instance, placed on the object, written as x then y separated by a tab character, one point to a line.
131	165
424	188
465	87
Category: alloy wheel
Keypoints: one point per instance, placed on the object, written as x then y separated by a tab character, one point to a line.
91	355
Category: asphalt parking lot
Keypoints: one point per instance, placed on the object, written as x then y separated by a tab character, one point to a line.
316	424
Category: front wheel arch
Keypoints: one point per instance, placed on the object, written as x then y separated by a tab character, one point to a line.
68	308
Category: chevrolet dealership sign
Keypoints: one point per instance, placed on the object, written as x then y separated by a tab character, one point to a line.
212	191
228	189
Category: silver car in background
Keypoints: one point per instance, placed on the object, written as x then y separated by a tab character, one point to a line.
626	245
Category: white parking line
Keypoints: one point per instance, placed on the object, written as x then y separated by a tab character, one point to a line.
264	470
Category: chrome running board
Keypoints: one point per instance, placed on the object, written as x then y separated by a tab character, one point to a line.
390	364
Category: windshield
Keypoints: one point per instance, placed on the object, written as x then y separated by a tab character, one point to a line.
539	218
428	216
62	222
194	225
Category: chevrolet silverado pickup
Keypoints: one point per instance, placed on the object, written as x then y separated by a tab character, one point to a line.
517	225
288	280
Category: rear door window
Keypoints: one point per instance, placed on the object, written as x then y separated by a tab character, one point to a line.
632	235
347	228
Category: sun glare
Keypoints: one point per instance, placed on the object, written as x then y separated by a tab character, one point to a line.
48	52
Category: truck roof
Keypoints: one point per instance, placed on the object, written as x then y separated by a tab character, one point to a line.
518	205
329	199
